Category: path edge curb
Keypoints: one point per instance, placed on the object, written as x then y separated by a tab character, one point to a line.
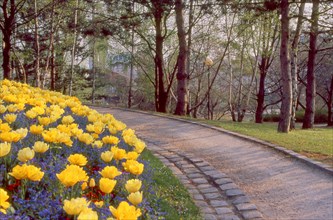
297	156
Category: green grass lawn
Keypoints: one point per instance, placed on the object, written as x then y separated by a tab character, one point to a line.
316	143
172	197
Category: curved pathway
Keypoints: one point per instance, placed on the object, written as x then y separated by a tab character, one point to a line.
280	186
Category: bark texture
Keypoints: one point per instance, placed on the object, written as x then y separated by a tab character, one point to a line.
182	99
308	120
285	114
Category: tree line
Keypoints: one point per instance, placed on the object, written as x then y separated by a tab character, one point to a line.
204	58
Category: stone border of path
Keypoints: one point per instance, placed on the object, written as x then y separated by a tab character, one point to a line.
315	164
216	195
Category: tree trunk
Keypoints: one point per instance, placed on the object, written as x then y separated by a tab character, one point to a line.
182	99
294	62
330	105
73	48
310	78
188	56
285	112
7	31
37	49
162	96
261	93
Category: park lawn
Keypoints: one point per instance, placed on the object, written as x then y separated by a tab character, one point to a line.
316	143
172	198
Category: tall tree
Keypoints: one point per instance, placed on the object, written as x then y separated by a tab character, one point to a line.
10	9
294	62
310	78
182	99
285	112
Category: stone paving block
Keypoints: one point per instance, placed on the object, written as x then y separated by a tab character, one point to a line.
212	195
223	181
193	191
218	175
201	203
207	168
228	186
198	197
191	170
195	175
209	217
209	190
223	210
199	180
202	164
234	192
204	186
229	217
218	203
251	214
185	166
185	181
211	173
208	210
196	160
241	199
246	207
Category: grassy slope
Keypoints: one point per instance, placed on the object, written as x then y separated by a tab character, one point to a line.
316	143
173	197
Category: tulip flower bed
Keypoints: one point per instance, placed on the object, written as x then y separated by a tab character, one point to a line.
60	159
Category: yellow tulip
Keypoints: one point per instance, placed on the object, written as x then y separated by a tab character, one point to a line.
132	155
110	172
67	119
40	147
44	120
110	140
19	172
133	167
10	118
10	137
34	173
4	149
135	198
125	212
72	175
92	182
133	185
84	186
75	206
77	159
85	138
3	109
36	129
25	154
88	214
99	204
3	201
118	154
4	127
107	156
31	114
106	185
97	144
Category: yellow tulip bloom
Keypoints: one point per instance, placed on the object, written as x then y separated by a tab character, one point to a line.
135	198
19	172
133	185
34	173
88	214
106	185
118	153
25	154
36	129
133	167
125	212
110	172
72	175
40	147
4	149
3	201
107	156
75	206
10	118
77	159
